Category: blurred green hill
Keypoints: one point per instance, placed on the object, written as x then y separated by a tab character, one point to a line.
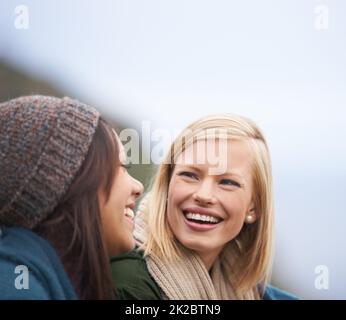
14	83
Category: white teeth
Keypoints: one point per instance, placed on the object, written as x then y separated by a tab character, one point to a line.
129	213
201	217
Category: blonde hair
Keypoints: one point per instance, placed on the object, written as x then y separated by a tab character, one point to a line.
252	249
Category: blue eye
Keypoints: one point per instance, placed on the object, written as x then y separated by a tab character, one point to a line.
230	182
188	174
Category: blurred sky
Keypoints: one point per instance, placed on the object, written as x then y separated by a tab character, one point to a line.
171	62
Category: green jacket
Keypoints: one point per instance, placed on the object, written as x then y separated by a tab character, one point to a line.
134	282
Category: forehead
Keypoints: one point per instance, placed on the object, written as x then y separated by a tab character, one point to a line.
229	155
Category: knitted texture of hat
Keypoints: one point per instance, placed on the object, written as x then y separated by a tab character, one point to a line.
43	143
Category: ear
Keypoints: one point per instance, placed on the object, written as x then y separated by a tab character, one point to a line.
251	215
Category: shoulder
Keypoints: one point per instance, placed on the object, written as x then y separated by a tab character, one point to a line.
273	293
132	278
30	268
16	283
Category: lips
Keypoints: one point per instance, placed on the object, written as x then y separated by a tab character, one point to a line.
203	212
201	219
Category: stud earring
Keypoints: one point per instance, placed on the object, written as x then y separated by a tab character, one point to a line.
249	218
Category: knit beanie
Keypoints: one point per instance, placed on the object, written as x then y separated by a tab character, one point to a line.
43	143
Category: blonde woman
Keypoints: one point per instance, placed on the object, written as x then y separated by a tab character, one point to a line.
205	230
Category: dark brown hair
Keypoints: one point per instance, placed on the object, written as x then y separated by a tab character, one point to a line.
74	229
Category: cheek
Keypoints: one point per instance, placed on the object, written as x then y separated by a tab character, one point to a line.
116	230
120	193
115	203
235	206
178	191
176	194
112	212
111	216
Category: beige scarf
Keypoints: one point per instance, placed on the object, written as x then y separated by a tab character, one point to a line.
186	278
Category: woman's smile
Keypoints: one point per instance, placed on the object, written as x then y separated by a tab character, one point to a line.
201	219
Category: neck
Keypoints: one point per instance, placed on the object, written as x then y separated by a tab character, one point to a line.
208	259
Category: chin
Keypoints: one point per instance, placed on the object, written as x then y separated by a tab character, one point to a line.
124	247
130	245
196	245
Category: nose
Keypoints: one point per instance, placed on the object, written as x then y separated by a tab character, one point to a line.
137	188
204	194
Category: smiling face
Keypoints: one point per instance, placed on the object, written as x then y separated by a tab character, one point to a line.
117	212
206	210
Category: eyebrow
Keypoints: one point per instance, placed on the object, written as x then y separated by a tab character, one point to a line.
228	173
